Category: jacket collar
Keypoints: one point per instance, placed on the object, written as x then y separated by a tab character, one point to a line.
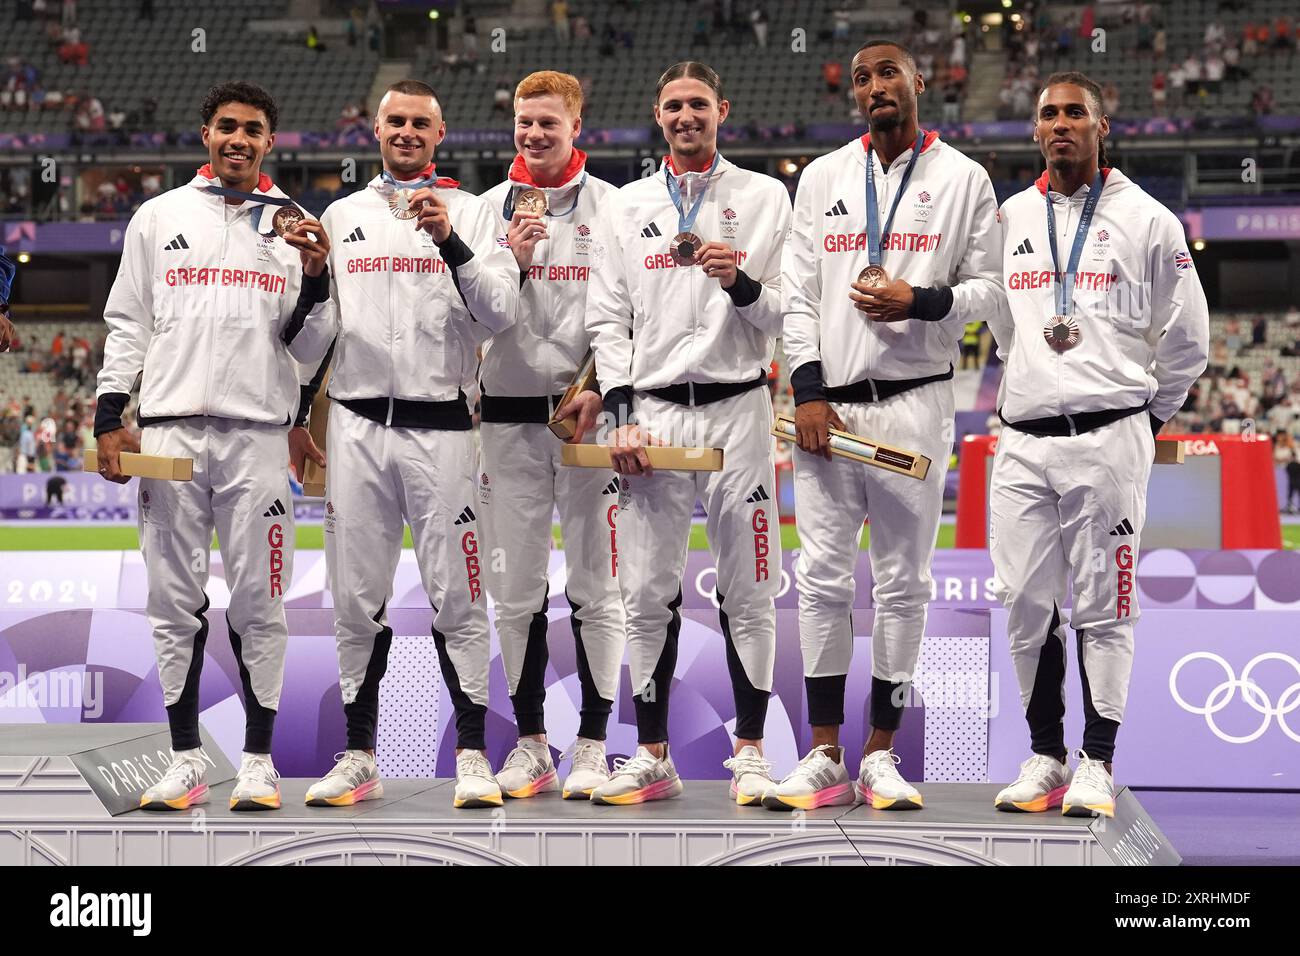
1109	176
931	137
722	166
520	175
204	177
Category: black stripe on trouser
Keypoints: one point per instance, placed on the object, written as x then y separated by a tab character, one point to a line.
259	721
751	703
826	695
886	709
652	702
595	709
471	718
363	713
529	698
1046	710
183	716
1098	732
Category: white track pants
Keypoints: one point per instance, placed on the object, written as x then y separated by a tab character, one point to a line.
377	479
832	499
521	484
654	525
1068	512
240	490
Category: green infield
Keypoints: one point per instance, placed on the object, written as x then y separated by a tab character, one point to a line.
20	537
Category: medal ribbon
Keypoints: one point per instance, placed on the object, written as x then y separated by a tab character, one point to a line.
874	233
1064	282
686	220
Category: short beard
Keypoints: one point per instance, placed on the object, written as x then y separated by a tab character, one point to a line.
886	124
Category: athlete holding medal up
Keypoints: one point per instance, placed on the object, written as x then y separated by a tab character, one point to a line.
683	333
1098	358
872	350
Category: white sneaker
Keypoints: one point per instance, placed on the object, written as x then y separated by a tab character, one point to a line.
183	784
354	778
475	784
1092	790
528	770
1040	786
882	787
589	769
638	779
258	785
751	776
816	781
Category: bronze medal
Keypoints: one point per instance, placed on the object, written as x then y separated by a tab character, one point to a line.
285	218
400	203
1062	333
874	277
532	201
685	247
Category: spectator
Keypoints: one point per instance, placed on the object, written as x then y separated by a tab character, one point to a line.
1215	35
1232	64
970	345
1110	100
502	99
26	447
1159	43
952	104
313	40
833	74
560	20
55	485
957	57
1259	332
1214	70
581	29
1283	34
1287	454
1158	94
1145	36
1261	100
840	30
758	20
74	51
469	37
1249	45
1192	71
1177	86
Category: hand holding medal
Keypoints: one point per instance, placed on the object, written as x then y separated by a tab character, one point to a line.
526	230
718	260
431	214
307	236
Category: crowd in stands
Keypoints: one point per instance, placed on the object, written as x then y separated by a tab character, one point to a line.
50	435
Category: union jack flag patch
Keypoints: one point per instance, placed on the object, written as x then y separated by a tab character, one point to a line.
1182	261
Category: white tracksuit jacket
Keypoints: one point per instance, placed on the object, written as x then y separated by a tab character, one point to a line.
522	481
943	236
1068	509
411	316
207	306
654	325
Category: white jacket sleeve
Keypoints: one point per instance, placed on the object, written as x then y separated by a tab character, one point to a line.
1180	318
485	273
315	320
999	318
801	283
129	315
609	304
762	293
975	297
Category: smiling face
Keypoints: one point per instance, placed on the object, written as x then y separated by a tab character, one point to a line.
409	128
544	134
238	139
689	113
1068	125
885	85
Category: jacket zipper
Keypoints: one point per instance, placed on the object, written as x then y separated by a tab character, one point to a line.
211	331
392	227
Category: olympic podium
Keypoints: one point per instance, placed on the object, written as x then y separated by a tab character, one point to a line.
66	790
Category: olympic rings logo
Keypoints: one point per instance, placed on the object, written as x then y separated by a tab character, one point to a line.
1251	693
